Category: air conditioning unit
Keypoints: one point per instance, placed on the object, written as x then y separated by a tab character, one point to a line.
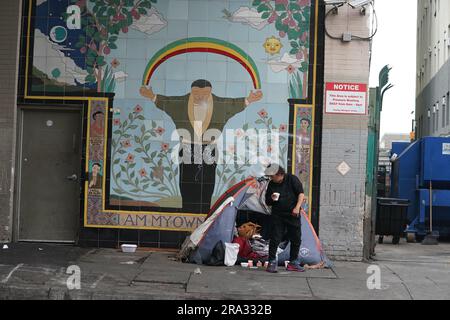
444	101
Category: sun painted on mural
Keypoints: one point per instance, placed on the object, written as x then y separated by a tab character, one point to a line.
172	65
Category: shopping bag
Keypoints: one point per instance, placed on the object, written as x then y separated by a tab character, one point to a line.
231	254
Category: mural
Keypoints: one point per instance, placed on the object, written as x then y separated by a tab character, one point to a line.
303	146
192	81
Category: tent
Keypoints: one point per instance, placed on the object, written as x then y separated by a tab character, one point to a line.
220	226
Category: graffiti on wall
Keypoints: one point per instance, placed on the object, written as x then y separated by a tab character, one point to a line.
193	81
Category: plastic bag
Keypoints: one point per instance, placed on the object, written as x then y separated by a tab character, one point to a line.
231	254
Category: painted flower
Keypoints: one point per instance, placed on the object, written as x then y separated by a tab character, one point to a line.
130	158
117	122
158	173
240	133
269	149
273	17
115	63
304	3
292	23
231	148
107	50
283	128
290	69
304	37
165	147
160	131
126	144
263	113
142	172
138	109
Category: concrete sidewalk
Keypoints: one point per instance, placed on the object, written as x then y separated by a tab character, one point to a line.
36	271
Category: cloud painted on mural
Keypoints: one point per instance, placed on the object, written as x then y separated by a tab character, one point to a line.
247	16
150	23
39	2
120	76
62	68
287	63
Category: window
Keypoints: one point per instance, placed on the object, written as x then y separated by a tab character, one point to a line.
444	111
436	126
430	121
448	108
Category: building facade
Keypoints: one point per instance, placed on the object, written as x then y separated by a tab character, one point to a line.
345	212
103	99
432	81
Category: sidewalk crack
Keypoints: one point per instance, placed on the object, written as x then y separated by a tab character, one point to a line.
403	282
187	282
434	282
310	289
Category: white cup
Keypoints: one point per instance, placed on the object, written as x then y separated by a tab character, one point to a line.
276	196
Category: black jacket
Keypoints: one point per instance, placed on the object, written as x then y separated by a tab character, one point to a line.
289	191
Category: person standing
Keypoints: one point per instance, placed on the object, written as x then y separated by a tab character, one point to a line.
285	195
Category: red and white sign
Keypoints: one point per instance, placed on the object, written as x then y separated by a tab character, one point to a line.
346	98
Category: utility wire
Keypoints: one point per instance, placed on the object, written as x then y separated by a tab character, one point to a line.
354	37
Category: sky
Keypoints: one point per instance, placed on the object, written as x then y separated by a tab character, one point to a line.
395	45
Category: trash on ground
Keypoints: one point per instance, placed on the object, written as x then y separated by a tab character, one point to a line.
197	271
129	248
5	247
128	262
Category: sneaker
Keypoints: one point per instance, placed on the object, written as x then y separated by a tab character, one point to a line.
295	268
272	268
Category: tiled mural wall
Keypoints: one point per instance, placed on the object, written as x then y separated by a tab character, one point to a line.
192	80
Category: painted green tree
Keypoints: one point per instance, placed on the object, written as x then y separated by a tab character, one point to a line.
292	19
102	22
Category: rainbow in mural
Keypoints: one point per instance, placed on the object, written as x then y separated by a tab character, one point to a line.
201	44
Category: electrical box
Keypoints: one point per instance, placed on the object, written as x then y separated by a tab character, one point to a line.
347	37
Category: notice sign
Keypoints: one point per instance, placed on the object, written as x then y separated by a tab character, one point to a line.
346	98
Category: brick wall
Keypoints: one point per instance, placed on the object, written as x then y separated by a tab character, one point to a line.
10	18
342	201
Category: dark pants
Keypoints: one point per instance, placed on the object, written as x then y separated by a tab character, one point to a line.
289	226
197	177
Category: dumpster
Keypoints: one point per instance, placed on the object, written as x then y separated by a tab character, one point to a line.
392	218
